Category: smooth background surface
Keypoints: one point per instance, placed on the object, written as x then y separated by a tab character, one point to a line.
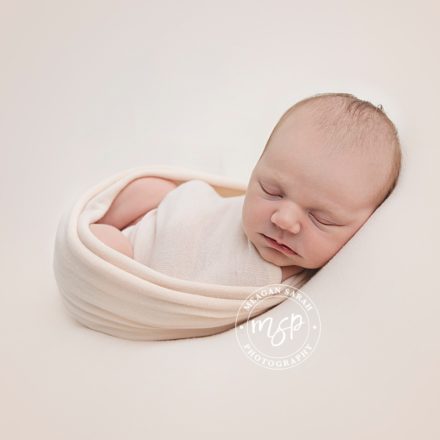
89	88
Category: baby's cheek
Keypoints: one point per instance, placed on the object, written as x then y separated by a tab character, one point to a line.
321	250
253	215
263	213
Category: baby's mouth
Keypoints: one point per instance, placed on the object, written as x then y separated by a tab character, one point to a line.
280	246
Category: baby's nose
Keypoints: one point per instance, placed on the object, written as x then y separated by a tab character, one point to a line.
287	223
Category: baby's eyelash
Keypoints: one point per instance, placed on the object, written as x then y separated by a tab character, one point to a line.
268	193
325	224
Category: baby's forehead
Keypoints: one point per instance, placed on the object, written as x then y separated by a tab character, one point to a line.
286	166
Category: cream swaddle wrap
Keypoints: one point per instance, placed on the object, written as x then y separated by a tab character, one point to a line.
195	234
110	292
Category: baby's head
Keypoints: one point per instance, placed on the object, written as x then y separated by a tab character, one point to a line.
329	163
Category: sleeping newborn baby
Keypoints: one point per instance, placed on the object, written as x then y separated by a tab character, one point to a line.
329	163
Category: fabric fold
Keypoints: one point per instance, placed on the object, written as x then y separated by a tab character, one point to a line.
109	292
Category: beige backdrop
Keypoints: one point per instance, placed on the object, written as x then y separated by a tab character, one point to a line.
92	87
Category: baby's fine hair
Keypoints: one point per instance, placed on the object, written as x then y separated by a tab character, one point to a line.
363	126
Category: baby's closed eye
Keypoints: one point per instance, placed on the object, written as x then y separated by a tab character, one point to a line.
319	220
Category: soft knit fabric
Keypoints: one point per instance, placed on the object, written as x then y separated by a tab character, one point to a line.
197	235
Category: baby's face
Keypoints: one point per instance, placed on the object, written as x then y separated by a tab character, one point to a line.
301	195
